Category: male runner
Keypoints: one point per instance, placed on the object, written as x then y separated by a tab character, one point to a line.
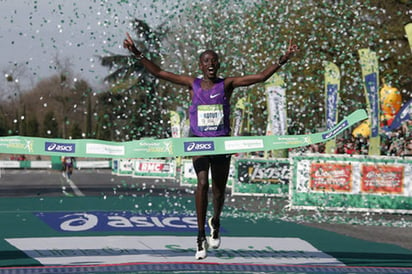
209	117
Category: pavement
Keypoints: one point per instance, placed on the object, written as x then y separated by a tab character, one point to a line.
98	222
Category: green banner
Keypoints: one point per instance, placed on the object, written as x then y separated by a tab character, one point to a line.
362	183
171	147
262	177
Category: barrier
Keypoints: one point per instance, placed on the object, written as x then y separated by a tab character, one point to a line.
188	175
49	164
381	184
268	177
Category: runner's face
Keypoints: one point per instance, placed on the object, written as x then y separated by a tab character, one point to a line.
209	64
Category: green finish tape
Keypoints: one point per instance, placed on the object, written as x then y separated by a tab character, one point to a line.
171	147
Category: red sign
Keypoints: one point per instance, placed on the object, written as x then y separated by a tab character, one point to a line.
382	179
151	167
330	177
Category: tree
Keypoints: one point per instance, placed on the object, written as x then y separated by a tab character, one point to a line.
138	101
33	127
250	36
76	131
50	125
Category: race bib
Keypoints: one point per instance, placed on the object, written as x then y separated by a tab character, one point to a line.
210	117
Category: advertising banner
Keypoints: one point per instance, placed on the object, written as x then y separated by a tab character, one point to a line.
188	174
175	124
363	183
261	177
408	30
276	102
169	147
332	86
125	167
330	177
370	74
238	118
153	168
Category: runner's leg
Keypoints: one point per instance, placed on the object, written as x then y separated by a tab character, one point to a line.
220	166
201	166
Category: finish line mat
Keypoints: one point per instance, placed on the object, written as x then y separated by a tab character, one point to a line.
95	234
171	147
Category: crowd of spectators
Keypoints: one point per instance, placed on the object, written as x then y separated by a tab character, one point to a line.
393	143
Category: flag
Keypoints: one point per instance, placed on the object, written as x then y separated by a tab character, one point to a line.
408	30
370	74
238	117
276	102
332	86
175	124
404	114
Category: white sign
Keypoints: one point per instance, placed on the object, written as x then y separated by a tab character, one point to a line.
243	144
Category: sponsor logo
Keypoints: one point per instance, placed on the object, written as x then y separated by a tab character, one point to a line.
116	221
17	144
59	147
199	146
387	179
153	167
214	95
331	177
155	147
244	144
105	149
335	131
247	251
268	174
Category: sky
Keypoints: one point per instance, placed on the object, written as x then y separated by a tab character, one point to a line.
34	34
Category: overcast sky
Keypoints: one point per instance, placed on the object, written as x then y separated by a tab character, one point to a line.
36	32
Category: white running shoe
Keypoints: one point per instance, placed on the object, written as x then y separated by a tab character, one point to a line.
201	251
214	239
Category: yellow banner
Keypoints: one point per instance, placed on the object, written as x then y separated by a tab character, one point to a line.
332	86
408	30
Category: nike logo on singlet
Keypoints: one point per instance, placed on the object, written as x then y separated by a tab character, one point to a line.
214	95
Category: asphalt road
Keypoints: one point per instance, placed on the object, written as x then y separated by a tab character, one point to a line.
384	228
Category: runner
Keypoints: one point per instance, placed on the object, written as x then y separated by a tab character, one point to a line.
209	117
67	166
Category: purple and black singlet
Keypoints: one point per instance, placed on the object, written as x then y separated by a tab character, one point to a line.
210	110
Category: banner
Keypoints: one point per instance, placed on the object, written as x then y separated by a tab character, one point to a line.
276	102
175	124
238	117
261	177
362	183
370	74
408	30
332	87
404	114
188	175
171	147
154	168
123	167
